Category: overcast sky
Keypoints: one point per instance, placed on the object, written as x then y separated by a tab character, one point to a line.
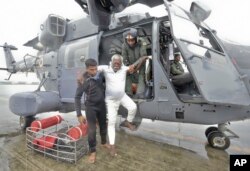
21	19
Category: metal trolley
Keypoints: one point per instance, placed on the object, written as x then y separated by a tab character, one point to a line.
54	142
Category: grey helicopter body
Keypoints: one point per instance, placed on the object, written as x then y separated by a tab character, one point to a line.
63	46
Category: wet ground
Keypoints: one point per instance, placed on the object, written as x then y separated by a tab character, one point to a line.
154	146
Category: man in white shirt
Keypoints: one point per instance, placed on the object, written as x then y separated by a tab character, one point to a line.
115	78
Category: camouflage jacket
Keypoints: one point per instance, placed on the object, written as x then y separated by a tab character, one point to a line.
176	68
130	55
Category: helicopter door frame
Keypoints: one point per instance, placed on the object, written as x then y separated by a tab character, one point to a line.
165	101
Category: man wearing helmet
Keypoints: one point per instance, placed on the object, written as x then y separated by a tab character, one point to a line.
132	49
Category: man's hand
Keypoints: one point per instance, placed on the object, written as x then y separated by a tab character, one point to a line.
81	119
131	69
80	78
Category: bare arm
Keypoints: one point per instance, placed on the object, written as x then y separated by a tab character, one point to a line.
102	68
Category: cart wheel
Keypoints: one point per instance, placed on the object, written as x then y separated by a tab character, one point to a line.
25	121
210	129
218	140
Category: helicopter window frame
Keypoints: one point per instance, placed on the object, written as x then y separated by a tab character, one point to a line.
76	52
75	58
167	48
194	32
57	25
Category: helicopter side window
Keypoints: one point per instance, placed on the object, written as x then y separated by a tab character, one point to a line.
57	25
109	46
76	57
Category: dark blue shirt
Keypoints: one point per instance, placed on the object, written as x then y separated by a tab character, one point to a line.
94	90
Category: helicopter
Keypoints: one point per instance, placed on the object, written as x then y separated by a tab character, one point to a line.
223	90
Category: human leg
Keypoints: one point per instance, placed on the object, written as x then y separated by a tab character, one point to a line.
141	81
112	108
102	120
130	105
141	85
91	118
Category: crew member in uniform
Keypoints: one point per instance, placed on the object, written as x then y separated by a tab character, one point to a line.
181	79
132	49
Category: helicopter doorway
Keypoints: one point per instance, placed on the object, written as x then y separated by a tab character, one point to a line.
177	72
112	43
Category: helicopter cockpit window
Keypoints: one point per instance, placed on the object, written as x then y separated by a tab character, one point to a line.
194	35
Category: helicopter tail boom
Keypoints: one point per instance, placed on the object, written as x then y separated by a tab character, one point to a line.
10	61
21	66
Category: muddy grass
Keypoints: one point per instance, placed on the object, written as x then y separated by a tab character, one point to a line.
134	153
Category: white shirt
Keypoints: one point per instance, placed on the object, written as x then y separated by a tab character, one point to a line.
115	81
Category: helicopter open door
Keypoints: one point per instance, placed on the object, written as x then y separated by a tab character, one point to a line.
216	77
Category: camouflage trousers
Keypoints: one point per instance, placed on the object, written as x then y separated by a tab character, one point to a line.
138	79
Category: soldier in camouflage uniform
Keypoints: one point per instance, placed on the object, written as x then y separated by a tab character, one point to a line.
132	49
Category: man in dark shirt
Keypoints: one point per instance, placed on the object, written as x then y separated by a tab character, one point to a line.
92	84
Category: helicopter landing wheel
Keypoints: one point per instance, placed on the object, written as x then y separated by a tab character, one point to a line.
210	129
25	121
218	140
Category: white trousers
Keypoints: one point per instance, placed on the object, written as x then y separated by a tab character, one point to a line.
112	107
